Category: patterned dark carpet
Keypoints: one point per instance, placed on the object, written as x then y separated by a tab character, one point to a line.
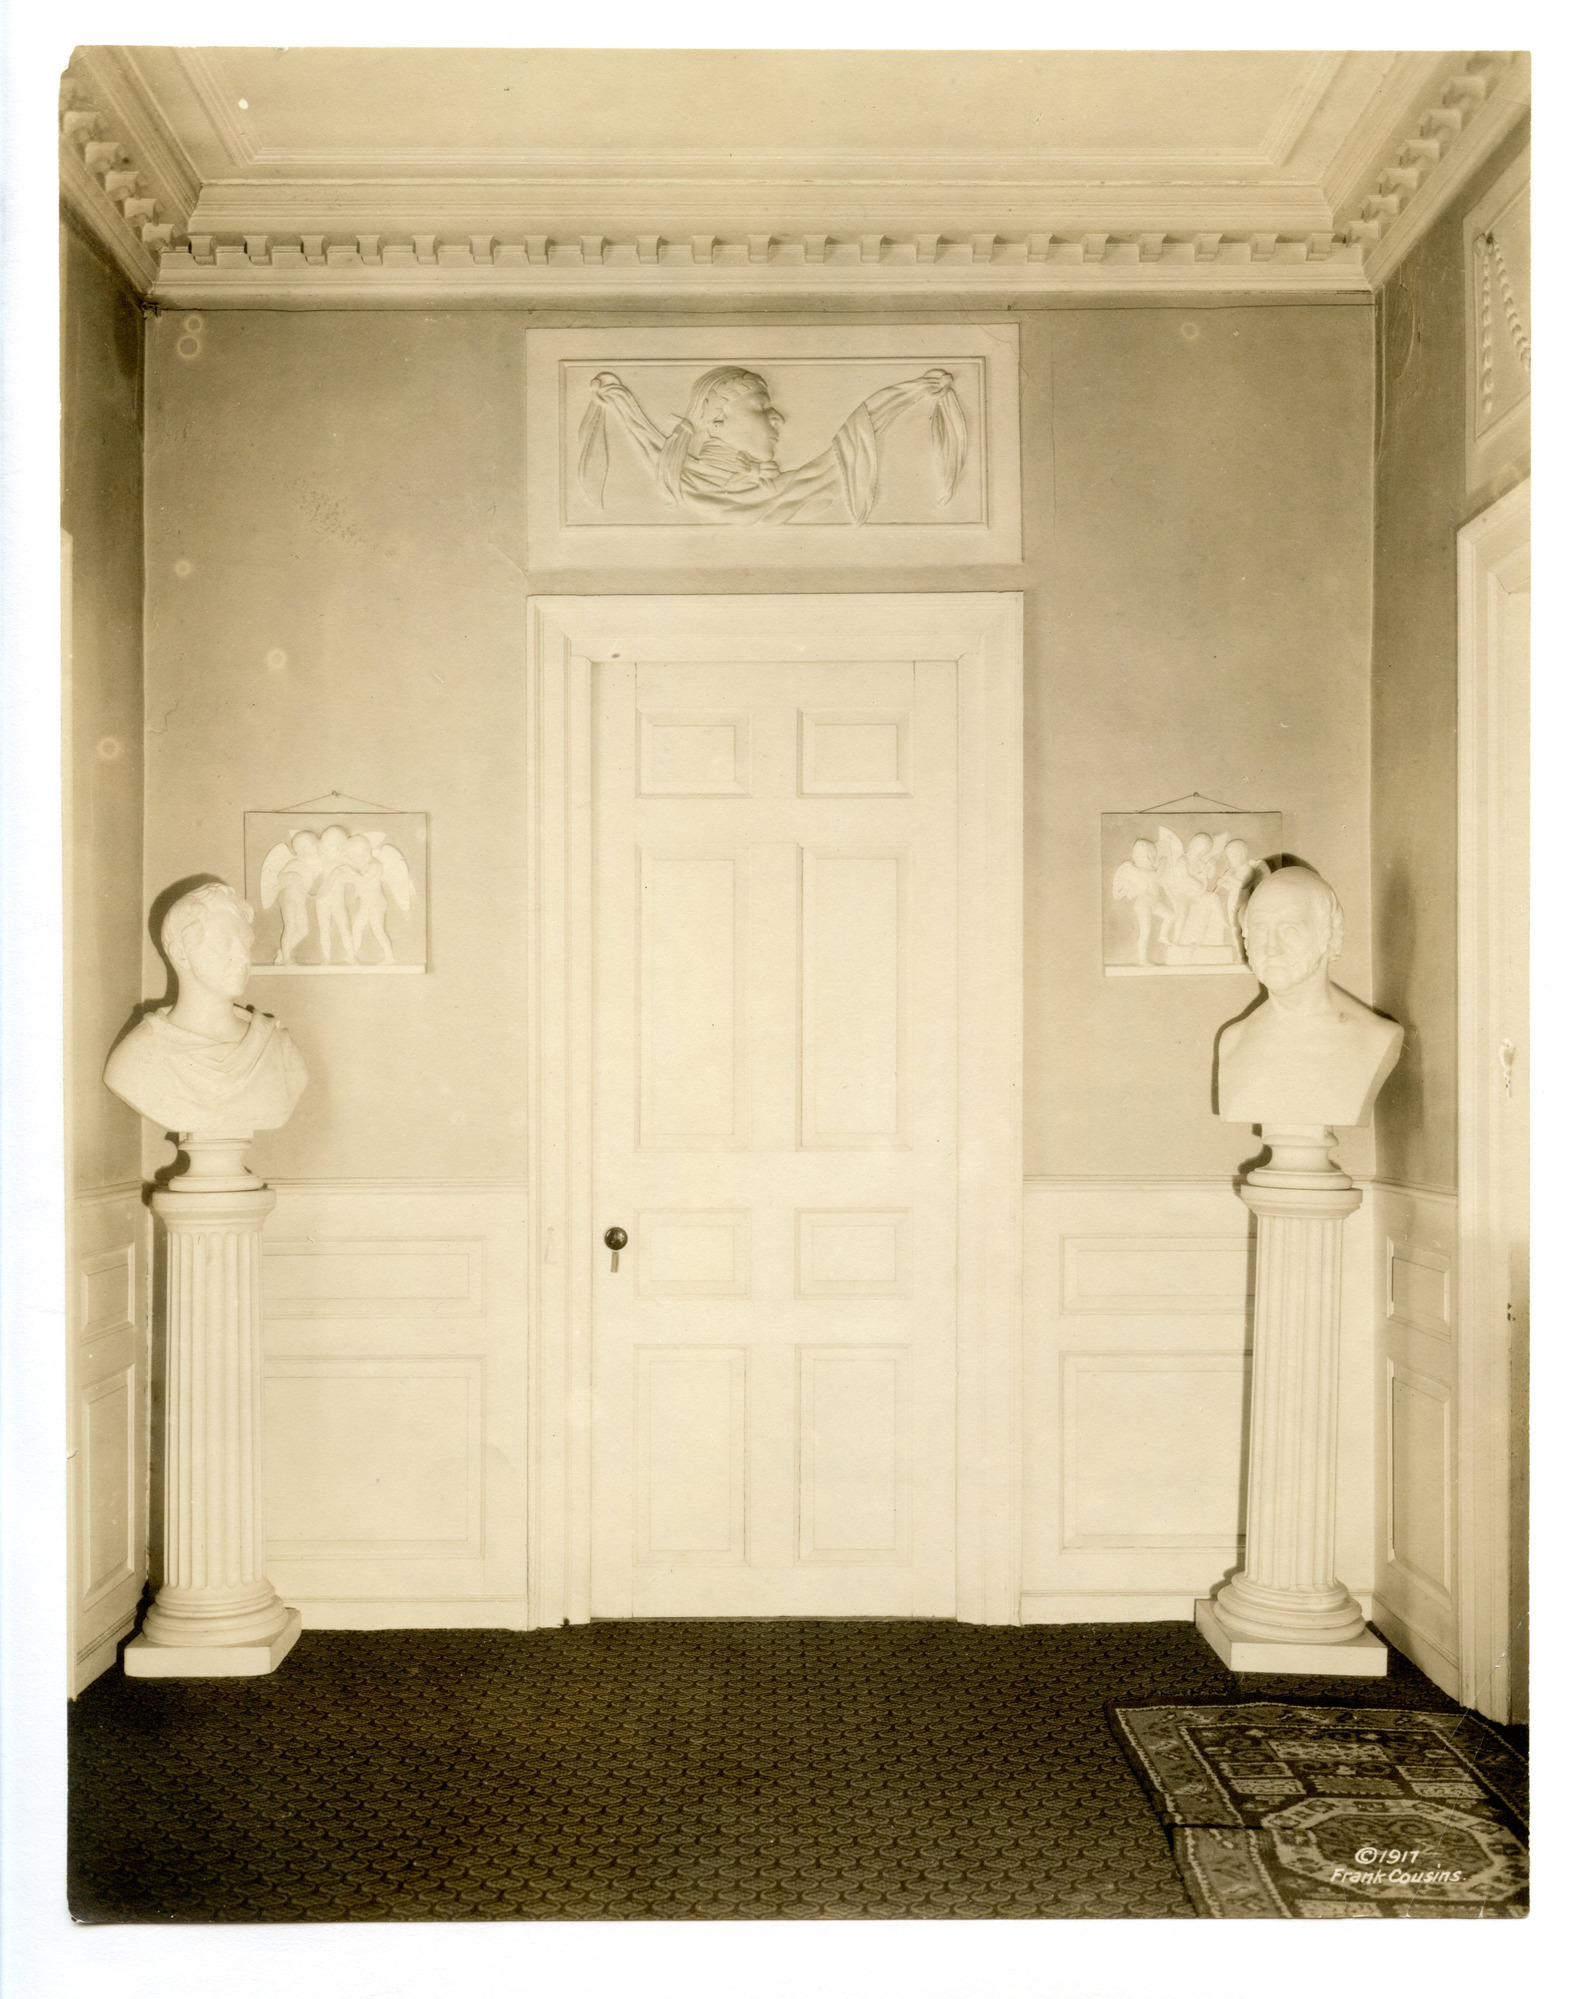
647	1770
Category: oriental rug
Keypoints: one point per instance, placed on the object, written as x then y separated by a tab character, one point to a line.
1276	1810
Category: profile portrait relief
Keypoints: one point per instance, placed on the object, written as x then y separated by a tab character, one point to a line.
206	1066
829	440
717	462
1309	1053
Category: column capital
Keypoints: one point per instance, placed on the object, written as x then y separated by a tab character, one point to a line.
179	1207
1301	1182
1313	1197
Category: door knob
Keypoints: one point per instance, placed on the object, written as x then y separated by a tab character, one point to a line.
615	1242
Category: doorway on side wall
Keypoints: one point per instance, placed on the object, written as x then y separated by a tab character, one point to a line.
777	1061
1492	1106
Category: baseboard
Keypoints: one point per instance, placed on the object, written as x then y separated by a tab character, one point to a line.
462	1613
1430	1658
1124	1607
1105	1607
98	1657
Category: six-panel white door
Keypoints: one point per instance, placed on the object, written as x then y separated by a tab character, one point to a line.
775	1114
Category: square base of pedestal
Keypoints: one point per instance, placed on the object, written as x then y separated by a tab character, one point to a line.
1360	1658
143	1661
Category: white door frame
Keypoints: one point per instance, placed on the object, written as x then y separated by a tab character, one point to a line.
983	633
1492	556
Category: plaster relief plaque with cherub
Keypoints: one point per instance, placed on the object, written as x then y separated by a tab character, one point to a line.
794	446
1173	887
338	886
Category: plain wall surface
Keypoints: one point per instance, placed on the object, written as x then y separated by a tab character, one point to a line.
102	511
1422	499
1199	622
346	489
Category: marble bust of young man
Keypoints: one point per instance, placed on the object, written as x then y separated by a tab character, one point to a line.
1309	1054
206	1067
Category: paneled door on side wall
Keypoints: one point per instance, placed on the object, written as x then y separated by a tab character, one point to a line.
775	1131
1494	558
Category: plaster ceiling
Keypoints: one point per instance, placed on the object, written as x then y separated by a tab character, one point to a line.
285	112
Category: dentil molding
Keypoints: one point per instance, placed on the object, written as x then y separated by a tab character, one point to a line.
1435	151
122	171
126	176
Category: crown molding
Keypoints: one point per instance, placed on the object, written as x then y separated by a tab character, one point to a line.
82	191
1473	101
738	210
1209	165
422	268
122	170
117	85
233	135
696	229
1297	114
1404	93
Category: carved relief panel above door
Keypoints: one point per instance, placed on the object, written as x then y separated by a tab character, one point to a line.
750	447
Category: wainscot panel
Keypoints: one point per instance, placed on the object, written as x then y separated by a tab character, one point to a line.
108	1425
1415	1370
1137	1328
395	1400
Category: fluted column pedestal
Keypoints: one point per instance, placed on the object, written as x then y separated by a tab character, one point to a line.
1285	1611
216	1614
